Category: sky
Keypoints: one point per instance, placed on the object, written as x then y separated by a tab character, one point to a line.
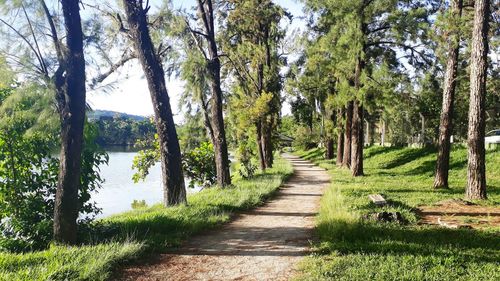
129	92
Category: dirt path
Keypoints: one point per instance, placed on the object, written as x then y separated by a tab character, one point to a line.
263	244
456	213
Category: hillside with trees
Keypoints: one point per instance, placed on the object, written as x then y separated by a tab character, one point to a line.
121	129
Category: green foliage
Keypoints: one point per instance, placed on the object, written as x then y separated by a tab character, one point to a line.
29	173
245	155
305	138
383	37
33	105
146	158
29	168
252	37
302	112
287	125
6	76
192	133
199	165
354	249
120	130
4	93
93	156
194	72
136	204
154	229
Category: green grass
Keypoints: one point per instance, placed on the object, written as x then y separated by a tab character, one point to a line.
354	249
68	263
134	234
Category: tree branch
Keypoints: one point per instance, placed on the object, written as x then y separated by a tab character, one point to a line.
40	61
380	28
404	46
204	15
197	42
44	66
239	73
18	60
53	31
126	57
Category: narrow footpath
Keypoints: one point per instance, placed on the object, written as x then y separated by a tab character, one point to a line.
263	244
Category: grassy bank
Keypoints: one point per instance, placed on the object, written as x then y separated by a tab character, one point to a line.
353	249
130	235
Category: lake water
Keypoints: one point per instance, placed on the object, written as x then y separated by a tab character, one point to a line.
119	190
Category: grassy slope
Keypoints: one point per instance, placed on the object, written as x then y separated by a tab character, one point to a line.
142	231
355	250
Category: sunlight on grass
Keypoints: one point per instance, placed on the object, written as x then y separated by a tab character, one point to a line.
68	263
354	249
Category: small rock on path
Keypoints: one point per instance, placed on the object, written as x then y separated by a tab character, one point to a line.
263	244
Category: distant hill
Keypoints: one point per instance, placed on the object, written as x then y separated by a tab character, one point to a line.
98	114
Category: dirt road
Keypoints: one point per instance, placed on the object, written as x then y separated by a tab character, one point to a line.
263	244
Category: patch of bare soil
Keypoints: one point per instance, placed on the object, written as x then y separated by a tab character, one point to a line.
460	214
263	244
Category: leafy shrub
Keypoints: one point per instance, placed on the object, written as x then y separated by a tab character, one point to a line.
247	168
305	139
199	165
138	204
28	174
28	182
146	158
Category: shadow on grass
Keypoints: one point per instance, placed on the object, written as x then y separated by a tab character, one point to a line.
376	150
157	228
316	153
383	239
407	155
381	173
428	167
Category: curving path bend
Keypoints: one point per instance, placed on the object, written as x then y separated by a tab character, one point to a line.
263	244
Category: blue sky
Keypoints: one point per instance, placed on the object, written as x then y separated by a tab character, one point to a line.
131	93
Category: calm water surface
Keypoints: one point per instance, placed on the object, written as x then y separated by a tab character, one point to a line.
119	190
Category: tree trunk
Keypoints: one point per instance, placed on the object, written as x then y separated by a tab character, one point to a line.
371	139
340	148
206	120
340	136
268	125
368	134
71	94
329	149
172	175
267	144
445	125
476	170
330	152
261	122
357	126
346	160
270	147
219	141
382	133
357	140
260	148
422	129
